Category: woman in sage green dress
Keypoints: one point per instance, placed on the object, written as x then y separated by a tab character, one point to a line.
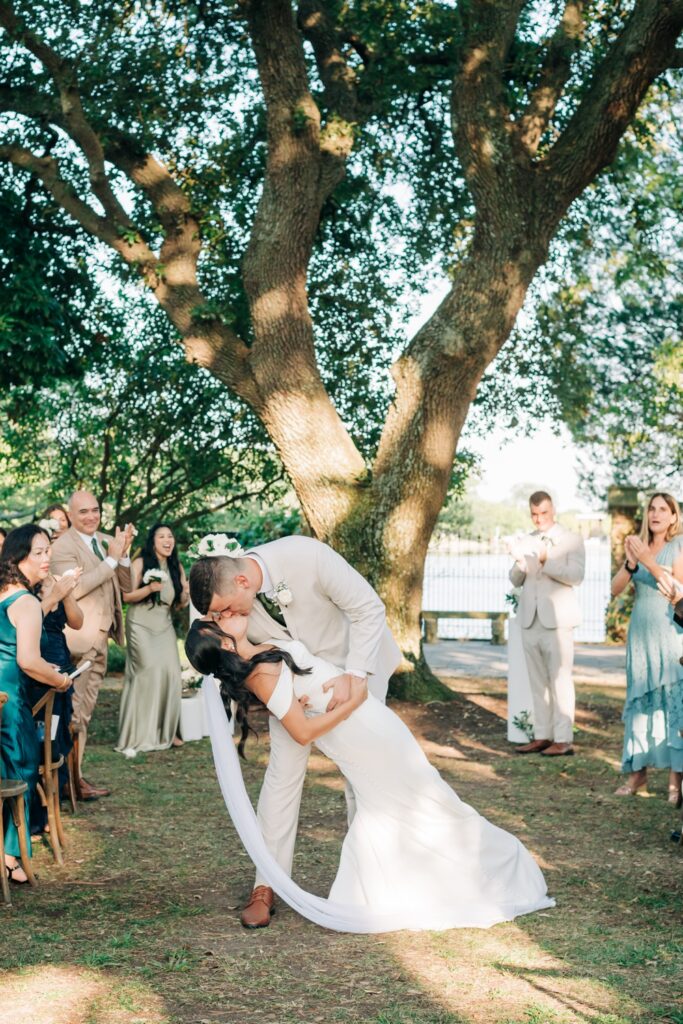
25	562
653	712
150	702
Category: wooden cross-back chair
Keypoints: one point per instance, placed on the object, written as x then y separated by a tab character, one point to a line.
12	791
48	780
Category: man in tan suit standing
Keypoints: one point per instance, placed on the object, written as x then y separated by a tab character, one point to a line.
319	599
106	572
549	565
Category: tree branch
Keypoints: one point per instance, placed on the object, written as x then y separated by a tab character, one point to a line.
642	51
74	119
555	72
484	135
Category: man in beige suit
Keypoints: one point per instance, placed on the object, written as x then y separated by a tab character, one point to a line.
106	572
549	565
323	602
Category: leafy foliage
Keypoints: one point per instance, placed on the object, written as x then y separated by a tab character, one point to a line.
155	437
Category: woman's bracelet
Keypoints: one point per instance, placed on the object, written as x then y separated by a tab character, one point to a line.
630	569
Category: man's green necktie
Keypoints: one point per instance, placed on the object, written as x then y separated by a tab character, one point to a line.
96	549
273	609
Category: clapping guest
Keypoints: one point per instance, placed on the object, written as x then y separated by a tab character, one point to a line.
106	572
150	702
653	712
60	609
24	563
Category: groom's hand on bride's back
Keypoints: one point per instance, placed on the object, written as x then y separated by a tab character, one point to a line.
343	689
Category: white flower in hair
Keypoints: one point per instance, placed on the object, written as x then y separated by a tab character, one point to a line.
216	545
50	525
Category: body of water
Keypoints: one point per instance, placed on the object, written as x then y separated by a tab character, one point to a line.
479	583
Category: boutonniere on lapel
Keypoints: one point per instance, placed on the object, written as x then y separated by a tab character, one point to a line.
545	539
283	595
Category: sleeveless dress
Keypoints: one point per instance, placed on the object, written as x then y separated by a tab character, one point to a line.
653	711
19	745
415	855
53	648
152	688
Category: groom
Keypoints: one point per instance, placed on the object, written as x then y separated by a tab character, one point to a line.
300	589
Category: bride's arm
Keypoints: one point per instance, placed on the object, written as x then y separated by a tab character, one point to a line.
262	683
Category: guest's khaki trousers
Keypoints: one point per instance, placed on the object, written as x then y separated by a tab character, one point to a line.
86	691
549	657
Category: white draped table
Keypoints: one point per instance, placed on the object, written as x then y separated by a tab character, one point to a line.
519	691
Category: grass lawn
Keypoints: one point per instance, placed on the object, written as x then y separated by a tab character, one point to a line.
141	925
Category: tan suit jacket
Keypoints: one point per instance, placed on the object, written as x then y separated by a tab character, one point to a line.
549	589
98	592
334	611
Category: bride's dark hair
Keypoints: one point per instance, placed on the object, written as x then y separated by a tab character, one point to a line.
204	650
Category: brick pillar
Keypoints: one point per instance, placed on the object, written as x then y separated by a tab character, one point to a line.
624	509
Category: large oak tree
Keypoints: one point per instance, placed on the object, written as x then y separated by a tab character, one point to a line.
222	152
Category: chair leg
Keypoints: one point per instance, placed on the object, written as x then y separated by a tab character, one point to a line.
20	822
58	812
4	881
76	763
50	801
72	779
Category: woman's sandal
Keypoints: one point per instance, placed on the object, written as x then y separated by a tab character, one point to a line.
675	797
10	874
630	788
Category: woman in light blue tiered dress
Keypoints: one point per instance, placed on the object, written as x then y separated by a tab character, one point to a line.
653	711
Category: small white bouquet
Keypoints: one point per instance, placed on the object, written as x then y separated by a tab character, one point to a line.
155	576
215	545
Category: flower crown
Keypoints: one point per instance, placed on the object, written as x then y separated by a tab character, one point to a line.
215	545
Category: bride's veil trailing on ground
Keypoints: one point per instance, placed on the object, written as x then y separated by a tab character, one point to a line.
336	916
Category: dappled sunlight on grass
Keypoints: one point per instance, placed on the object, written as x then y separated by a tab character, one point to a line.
70	995
501	974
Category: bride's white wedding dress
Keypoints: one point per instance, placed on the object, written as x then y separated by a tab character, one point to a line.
415	855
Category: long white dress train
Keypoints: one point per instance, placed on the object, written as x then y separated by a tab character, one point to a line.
415	856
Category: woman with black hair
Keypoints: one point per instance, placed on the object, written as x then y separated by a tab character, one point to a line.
415	855
150	702
24	563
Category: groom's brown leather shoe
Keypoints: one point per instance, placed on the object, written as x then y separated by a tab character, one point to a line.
259	910
558	750
535	747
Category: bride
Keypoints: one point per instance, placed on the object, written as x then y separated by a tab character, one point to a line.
415	855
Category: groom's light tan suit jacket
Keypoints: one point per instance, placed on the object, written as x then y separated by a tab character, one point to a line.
98	592
333	611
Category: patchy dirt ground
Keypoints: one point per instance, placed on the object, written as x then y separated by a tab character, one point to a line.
141	926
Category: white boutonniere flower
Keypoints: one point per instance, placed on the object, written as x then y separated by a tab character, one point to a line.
545	539
215	545
283	595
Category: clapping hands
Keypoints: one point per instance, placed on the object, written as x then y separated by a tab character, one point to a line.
119	545
635	549
670	587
